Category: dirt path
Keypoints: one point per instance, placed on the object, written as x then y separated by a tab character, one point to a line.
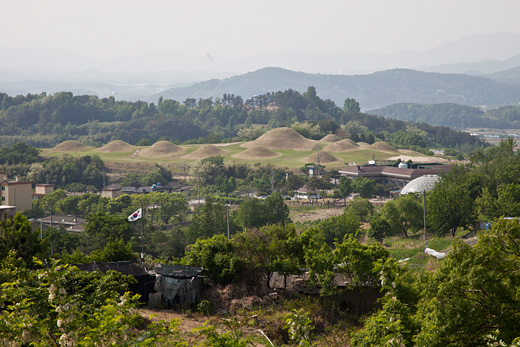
190	322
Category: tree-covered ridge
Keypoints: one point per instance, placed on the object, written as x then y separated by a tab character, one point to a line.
374	90
46	120
453	115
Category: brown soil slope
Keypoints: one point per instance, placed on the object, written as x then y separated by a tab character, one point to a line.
282	138
257	153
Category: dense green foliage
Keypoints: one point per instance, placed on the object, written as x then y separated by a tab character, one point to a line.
84	171
46	120
453	115
371	90
19	153
471	300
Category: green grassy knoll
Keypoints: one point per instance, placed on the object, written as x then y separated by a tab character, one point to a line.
289	157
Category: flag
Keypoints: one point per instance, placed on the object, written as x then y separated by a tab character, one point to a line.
135	216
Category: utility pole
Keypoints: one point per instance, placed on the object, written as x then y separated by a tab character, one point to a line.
142	231
227	222
199	190
424	215
318	161
52	246
185	183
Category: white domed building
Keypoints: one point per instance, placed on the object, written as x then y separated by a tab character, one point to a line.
421	184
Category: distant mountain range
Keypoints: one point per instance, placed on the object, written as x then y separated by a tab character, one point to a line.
375	80
375	90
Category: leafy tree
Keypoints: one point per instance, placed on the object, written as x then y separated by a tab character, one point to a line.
361	208
208	220
449	207
477	285
354	260
16	234
255	213
19	153
364	186
351	106
208	169
390	326
379	228
102	228
61	305
217	256
345	187
403	214
266	250
335	228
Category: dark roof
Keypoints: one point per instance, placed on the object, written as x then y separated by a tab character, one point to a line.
129	267
62	220
178	271
392	171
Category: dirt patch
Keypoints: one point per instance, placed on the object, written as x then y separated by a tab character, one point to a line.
282	138
116	146
161	149
187	323
257	153
71	146
331	138
321	213
205	151
343	146
325	158
419	159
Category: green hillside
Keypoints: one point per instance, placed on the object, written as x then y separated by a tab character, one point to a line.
372	91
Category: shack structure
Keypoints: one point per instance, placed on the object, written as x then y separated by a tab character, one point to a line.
176	285
164	286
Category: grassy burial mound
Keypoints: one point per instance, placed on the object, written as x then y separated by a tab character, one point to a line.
257	153
282	138
325	158
343	146
161	149
363	145
115	146
382	146
71	146
205	151
331	138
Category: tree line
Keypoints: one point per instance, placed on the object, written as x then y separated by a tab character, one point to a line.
45	120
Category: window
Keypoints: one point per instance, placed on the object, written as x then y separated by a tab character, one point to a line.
3	198
3	187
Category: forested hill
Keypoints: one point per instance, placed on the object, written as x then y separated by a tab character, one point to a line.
375	90
453	115
46	120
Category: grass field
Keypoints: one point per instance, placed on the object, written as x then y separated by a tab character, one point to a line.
289	158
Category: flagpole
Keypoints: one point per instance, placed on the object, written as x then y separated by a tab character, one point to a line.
142	231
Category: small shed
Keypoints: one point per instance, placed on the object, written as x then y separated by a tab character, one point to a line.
176	284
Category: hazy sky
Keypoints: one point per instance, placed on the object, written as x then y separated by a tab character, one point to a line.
109	28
